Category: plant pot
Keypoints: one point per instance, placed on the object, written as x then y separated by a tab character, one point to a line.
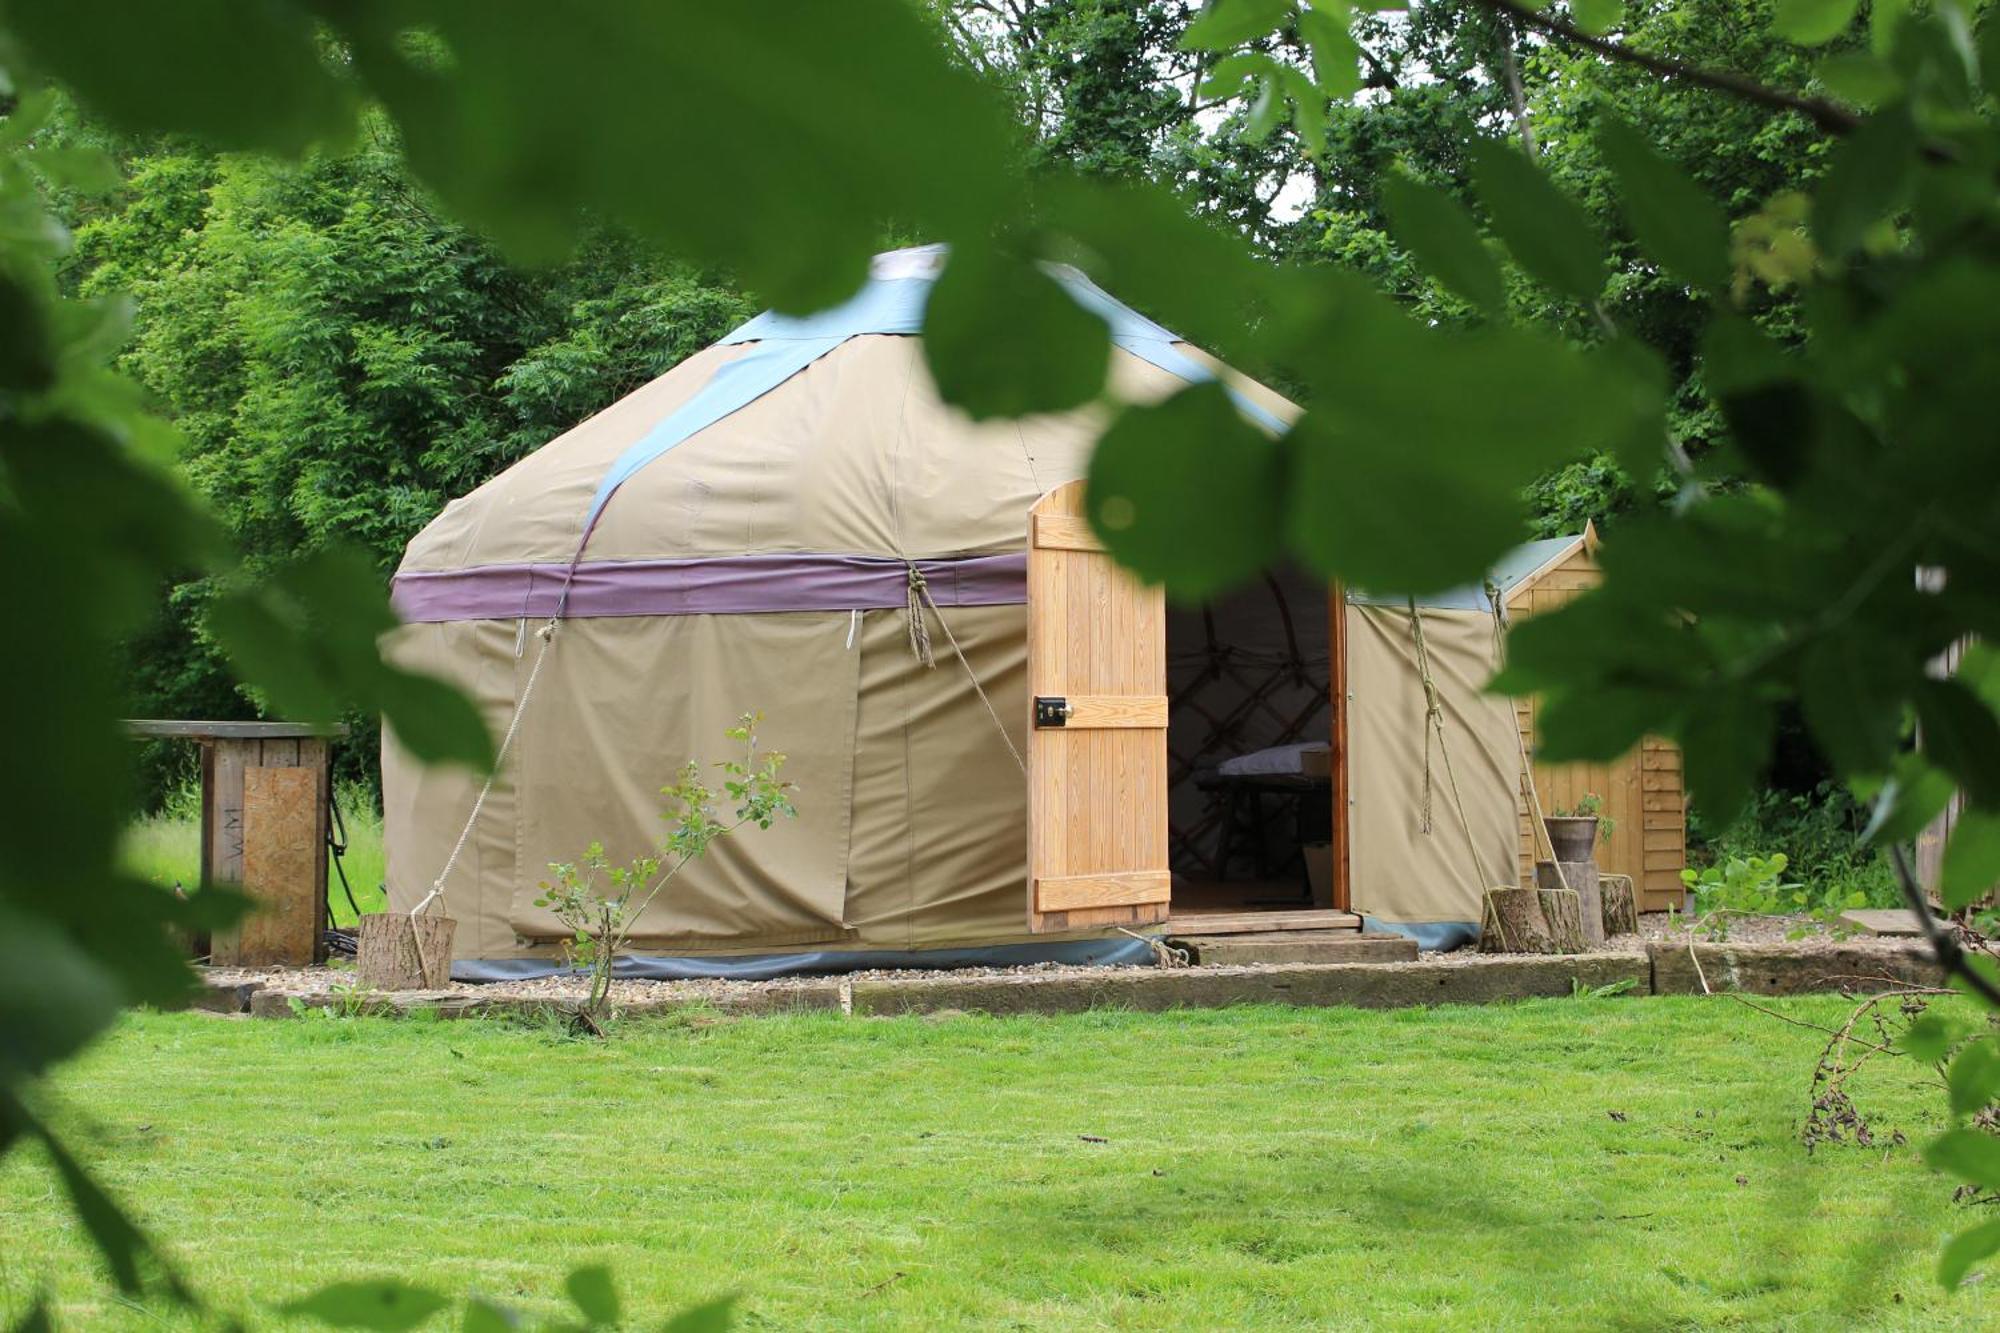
1573	837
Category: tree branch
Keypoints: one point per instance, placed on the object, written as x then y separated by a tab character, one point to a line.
1947	949
1828	116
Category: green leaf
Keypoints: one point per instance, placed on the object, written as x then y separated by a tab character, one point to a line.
1597	17
1914	795
1411	465
1851	688
261	81
432	719
483	1316
592	1291
1674	218
1004	339
1736	355
1857	77
307	637
1965	1249
79	167
1336	57
1430	224
27	351
1547	233
1598	724
1961	736
710	1317
1188	493
1868	176
1928	1038
1974	1077
1725	744
792	195
1227	23
1970	1154
385	1305
1971	859
54	997
37	1319
1812	22
121	1244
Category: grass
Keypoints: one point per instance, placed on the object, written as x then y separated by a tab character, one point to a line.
165	849
1261	1167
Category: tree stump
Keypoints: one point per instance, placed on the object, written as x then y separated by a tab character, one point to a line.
1580	878
1531	921
1621	905
386	956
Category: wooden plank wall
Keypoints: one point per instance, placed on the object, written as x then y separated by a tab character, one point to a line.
1097	803
1642	791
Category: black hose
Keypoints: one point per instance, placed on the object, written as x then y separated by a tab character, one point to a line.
336	846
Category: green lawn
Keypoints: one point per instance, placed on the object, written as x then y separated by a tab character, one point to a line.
165	849
1263	1167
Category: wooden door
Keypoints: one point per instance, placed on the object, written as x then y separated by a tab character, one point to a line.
1097	730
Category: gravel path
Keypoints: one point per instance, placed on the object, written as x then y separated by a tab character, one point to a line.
1654	928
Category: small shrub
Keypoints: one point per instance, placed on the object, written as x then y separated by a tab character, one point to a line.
1756	886
598	902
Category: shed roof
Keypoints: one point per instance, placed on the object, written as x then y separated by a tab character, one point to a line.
1516	567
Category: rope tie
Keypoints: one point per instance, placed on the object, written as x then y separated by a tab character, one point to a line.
919	592
1434	716
920	644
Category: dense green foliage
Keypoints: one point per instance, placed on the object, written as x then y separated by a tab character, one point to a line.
1810	373
342	358
341	361
1560	1164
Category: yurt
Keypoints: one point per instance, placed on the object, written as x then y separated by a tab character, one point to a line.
975	703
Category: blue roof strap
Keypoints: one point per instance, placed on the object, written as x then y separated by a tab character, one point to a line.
787	344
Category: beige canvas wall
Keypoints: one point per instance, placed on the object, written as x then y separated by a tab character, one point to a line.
1400	870
911	828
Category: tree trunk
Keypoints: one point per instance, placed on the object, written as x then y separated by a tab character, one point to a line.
387	954
1621	905
1531	921
1580	878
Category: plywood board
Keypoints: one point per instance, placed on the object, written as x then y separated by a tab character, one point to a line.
1097	794
280	848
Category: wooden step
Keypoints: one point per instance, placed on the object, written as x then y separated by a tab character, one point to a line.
1244	923
1296	946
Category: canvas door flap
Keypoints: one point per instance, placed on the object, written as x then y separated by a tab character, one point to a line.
631	700
1399	870
940	811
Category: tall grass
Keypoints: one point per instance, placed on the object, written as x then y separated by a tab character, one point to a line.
165	849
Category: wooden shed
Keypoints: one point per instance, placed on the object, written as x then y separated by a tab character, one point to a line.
1642	791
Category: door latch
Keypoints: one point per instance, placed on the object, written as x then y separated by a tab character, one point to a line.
1052	710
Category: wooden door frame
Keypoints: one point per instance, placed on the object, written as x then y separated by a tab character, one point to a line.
1336	671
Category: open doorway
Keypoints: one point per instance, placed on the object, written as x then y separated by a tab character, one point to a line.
1250	749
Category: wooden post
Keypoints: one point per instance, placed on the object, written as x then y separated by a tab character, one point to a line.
1580	878
1531	921
1621	905
1336	621
266	789
394	952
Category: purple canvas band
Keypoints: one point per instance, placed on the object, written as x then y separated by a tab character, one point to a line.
705	586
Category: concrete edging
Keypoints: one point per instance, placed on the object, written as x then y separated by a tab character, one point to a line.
1660	969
